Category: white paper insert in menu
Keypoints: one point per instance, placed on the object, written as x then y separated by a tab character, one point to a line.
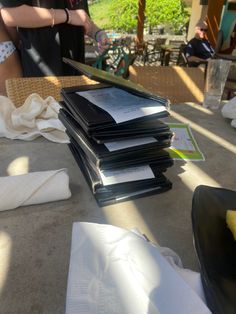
121	105
126	175
113	146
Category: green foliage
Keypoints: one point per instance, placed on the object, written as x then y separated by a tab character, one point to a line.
99	13
171	13
121	15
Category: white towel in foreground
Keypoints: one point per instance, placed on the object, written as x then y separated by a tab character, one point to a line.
37	117
114	271
33	188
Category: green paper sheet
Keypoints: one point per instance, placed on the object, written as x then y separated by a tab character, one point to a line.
184	145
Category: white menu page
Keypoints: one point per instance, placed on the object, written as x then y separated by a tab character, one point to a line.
113	146
126	175
121	105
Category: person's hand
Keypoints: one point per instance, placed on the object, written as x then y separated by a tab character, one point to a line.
81	18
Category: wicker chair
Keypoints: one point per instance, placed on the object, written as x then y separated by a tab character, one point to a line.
18	89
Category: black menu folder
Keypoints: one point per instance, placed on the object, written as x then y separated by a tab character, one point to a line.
104	158
104	125
114	193
113	80
99	124
116	136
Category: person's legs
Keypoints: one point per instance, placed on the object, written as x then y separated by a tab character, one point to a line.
10	65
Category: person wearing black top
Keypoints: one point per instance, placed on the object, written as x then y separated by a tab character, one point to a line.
50	30
199	49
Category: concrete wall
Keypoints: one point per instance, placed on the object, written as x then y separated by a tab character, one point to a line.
199	12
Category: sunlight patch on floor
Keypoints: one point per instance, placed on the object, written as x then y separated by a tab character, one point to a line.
130	214
5	257
211	136
199	107
18	166
197	177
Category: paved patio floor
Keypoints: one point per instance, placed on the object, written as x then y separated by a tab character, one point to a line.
35	240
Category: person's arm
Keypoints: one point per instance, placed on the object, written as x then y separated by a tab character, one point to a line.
100	36
196	59
190	54
4	36
9	65
13	34
34	17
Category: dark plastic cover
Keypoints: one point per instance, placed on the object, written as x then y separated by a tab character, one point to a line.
111	79
215	246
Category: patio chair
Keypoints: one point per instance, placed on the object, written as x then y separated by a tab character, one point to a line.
182	60
115	60
140	51
18	89
153	50
175	46
215	246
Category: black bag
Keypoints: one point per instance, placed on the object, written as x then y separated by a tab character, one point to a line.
215	246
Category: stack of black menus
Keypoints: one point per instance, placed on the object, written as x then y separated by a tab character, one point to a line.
116	136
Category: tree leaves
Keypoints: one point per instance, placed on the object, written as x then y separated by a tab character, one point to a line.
121	15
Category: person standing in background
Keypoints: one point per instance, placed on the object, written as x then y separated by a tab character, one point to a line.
10	66
50	30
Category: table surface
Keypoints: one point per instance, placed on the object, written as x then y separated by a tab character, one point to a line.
35	240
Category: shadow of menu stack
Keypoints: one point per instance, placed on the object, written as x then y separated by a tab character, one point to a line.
117	139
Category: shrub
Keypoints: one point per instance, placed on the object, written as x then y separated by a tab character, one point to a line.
171	13
121	15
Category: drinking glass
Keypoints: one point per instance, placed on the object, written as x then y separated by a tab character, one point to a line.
217	72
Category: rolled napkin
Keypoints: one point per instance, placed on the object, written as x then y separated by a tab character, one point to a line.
229	109
233	123
36	117
34	188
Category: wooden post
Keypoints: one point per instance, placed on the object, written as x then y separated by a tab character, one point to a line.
213	19
141	16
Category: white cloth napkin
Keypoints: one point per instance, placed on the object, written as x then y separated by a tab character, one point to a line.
192	278
36	117
229	111
113	271
33	188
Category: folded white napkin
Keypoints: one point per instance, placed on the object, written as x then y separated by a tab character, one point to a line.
113	271
192	278
33	188
233	123
37	117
